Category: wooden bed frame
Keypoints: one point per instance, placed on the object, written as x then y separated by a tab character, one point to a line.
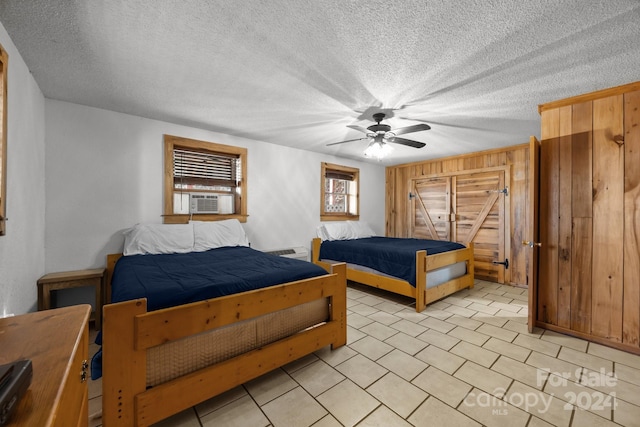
424	264
129	330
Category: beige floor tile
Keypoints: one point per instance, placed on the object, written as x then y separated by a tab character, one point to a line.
348	403
269	386
371	347
186	418
397	394
465	322
485	379
383	417
586	360
441	359
354	335
363	309
384	317
626	414
506	307
623	390
371	300
389	307
537	345
239	413
438	339
491	411
317	377
468	335
554	366
584	418
493	320
409	327
378	330
615	355
220	400
457	300
285	410
507	349
411	315
95	411
521	372
357	321
582	397
445	387
300	363
477	354
505	298
328	421
361	370
537	422
627	373
337	356
478	297
437	324
494	331
402	364
483	308
406	343
522	329
461	311
540	404
435	413
565	340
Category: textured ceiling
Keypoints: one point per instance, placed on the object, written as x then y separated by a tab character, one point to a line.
297	72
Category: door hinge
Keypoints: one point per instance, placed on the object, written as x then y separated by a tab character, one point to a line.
505	263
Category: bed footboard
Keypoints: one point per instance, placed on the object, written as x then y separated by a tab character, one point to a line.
129	331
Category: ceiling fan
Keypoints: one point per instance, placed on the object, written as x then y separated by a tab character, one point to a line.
380	134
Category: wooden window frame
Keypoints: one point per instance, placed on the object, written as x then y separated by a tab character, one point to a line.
4	67
339	216
170	143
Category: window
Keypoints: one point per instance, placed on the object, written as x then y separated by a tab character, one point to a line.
3	140
339	193
203	181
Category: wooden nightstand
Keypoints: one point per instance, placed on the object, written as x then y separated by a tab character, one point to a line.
73	279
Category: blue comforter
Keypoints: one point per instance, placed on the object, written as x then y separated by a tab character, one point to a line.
389	255
169	280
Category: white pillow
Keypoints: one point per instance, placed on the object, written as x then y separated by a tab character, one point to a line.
216	234
144	239
339	230
361	229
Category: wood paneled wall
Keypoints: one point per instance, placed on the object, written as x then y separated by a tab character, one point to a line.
516	158
589	265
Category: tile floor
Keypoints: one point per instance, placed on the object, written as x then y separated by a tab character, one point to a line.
467	360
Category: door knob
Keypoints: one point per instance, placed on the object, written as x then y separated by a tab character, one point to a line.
531	244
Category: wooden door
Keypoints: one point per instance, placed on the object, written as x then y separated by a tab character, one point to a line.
532	229
479	206
431	198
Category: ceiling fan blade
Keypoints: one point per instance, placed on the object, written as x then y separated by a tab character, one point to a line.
409	129
408	142
360	128
348	140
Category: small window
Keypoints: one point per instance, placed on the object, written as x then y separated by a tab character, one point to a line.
204	181
339	193
3	140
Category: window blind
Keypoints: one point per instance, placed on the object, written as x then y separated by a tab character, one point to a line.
205	168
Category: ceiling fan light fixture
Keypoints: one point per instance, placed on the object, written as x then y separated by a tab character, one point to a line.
378	150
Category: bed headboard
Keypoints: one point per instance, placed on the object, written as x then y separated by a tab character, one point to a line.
111	265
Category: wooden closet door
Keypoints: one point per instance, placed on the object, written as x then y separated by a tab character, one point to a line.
479	217
431	208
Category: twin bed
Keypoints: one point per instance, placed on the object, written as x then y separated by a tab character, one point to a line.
425	270
191	317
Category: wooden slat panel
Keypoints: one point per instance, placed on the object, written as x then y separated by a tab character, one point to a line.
564	222
631	313
518	189
432	209
549	199
581	208
608	218
532	234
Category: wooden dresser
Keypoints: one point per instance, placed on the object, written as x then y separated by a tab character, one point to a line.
57	342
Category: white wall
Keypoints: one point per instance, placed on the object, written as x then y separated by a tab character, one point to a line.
22	255
104	173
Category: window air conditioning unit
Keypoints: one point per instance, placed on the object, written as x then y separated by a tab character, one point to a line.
203	203
200	203
296	253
